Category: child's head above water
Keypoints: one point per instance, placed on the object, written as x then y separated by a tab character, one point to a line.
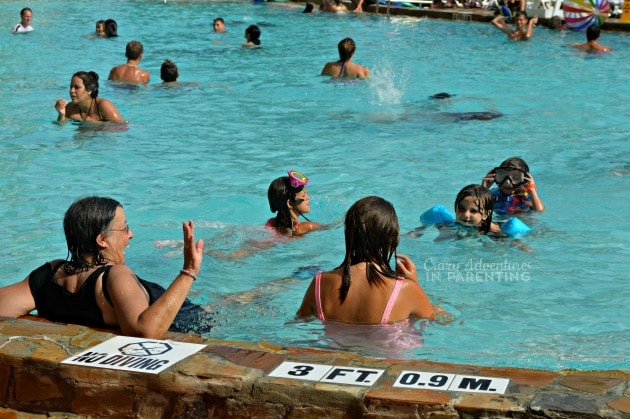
473	208
287	195
511	175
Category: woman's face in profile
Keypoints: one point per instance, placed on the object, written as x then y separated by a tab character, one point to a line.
77	90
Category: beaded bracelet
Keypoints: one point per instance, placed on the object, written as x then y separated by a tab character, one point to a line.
190	274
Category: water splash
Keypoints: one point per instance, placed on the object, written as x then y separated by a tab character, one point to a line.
387	86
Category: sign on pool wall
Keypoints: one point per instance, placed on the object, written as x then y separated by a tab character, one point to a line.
134	354
406	379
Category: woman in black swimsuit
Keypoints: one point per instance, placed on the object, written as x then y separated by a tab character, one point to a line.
86	105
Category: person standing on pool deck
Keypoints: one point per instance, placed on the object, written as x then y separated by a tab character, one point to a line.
25	25
524	30
86	105
130	73
345	67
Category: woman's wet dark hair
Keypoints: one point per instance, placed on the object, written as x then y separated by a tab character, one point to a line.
254	34
346	48
111	28
84	221
484	200
280	191
90	81
372	235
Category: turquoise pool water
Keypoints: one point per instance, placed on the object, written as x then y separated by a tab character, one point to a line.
207	152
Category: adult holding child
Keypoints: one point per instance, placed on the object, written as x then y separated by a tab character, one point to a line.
85	104
94	287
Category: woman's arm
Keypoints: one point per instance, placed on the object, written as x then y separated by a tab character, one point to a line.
135	317
16	300
530	26
499	22
108	111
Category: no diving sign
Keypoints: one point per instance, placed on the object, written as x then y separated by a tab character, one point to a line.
134	354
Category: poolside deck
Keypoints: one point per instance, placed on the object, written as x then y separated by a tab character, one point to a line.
232	379
472	15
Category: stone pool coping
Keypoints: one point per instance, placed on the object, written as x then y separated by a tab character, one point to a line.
231	379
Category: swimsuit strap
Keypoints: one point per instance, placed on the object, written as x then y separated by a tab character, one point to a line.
343	66
392	300
318	297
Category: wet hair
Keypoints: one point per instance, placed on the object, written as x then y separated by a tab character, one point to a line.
111	28
84	221
308	8
592	33
519	14
280	191
346	48
26	9
372	235
134	50
515	163
484	201
219	19
90	81
168	71
556	23
254	34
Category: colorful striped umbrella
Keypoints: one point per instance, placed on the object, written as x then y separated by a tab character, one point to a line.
580	14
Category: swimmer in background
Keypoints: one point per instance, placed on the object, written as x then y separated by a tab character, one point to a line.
252	35
345	67
288	198
592	41
130	73
26	16
100	29
86	105
364	289
111	28
516	190
333	7
524	29
218	25
168	72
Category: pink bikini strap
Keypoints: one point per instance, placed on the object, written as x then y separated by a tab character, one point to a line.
392	301
318	296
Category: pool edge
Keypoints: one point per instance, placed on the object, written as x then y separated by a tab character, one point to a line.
229	378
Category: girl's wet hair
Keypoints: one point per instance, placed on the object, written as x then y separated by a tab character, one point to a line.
280	191
515	163
254	34
83	222
346	48
90	81
111	28
371	231
168	71
484	201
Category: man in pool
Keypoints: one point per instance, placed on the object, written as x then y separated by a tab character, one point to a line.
219	25
25	24
524	29
592	41
130	73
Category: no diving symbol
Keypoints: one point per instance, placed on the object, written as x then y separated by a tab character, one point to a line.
148	348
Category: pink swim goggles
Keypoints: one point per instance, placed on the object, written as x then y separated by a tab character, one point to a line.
297	179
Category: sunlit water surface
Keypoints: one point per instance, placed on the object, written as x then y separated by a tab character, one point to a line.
208	152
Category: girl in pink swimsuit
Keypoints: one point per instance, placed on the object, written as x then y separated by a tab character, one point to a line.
364	289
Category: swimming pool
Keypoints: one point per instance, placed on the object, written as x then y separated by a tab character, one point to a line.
208	153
